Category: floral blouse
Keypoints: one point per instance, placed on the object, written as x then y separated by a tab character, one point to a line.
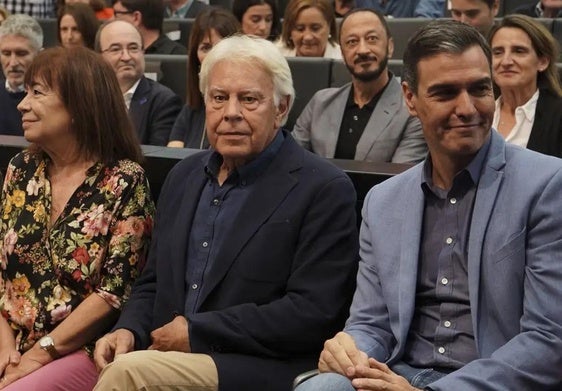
98	243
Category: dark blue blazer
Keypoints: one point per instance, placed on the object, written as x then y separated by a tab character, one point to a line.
546	134
281	283
153	110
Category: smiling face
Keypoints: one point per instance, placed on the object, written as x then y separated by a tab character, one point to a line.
16	54
241	115
515	62
257	20
45	119
365	45
70	36
121	47
455	105
310	34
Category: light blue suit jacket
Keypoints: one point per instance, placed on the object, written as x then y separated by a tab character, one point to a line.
514	272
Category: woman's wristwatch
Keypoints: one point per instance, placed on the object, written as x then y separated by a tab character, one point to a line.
47	344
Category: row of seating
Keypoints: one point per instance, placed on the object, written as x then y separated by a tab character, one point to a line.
309	76
401	29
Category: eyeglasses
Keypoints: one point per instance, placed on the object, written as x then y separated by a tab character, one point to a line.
117	13
117	50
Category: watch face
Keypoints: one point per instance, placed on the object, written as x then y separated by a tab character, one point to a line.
46	341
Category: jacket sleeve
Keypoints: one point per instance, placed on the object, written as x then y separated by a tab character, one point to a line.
167	106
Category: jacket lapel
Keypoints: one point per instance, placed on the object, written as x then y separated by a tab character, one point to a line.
385	110
137	111
486	195
270	190
412	222
334	120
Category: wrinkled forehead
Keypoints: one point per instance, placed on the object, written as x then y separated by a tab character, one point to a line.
16	42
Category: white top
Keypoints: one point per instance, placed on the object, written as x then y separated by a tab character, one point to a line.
332	50
524	119
128	96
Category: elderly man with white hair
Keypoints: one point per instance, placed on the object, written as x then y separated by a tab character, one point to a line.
254	252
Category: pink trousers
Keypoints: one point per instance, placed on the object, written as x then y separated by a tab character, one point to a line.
74	372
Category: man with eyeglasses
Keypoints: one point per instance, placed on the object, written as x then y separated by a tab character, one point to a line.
254	252
147	16
153	108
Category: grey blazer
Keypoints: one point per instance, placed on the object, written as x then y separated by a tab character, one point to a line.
391	135
514	272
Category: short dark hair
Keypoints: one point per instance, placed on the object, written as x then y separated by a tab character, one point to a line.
89	90
85	19
212	18
239	8
379	15
440	37
152	12
544	44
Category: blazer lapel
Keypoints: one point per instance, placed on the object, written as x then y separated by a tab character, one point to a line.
270	190
410	239
334	118
383	113
486	194
137	111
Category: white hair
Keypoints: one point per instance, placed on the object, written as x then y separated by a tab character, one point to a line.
251	51
24	26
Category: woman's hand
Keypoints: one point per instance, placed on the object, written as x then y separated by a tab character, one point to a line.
24	365
7	357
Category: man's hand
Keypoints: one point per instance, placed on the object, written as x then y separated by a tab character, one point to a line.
21	367
173	336
340	353
377	377
112	344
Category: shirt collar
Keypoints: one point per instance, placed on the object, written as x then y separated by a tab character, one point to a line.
529	108
20	88
180	12
249	172
474	168
372	103
128	95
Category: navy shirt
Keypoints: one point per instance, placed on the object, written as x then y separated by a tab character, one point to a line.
217	208
441	335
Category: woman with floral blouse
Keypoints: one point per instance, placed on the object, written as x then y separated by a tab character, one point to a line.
75	223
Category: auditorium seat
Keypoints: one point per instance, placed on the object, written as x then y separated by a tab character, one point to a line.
50	34
310	74
178	29
402	29
170	70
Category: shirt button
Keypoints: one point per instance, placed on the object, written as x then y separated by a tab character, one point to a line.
441	349
355	118
216	201
449	240
453	200
205	244
447	324
444	281
194	286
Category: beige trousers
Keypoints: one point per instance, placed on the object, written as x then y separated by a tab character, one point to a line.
151	370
